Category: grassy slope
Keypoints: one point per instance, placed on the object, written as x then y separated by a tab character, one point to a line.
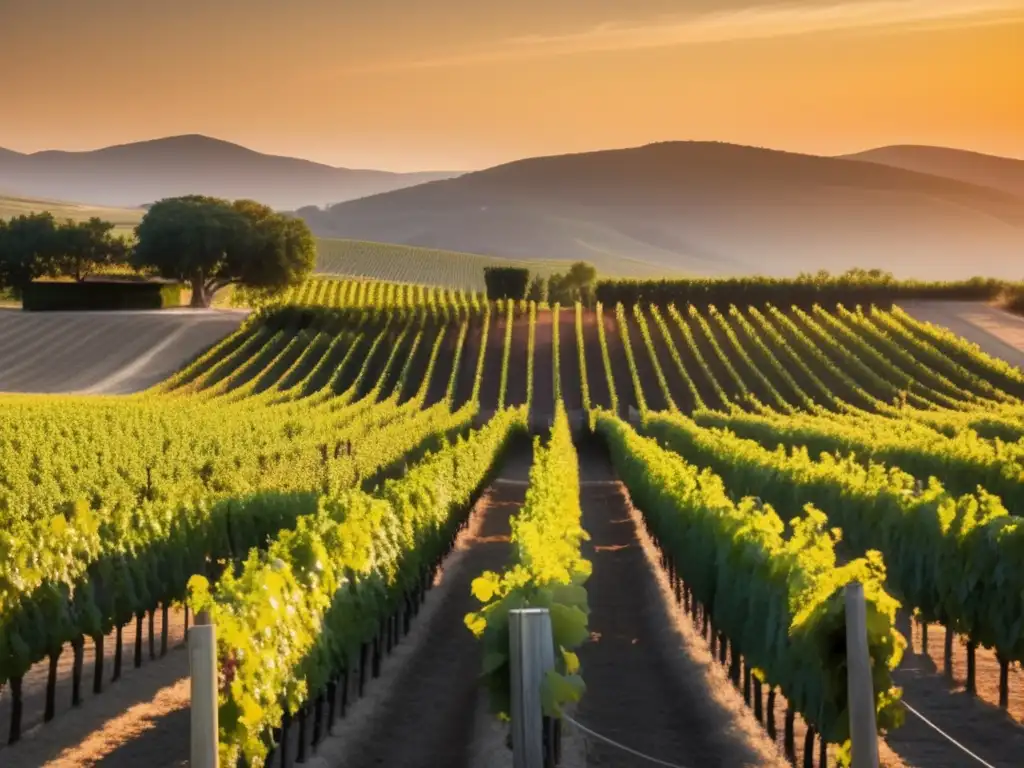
124	218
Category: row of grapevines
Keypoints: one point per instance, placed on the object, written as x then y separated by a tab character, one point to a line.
777	400
82	571
296	614
789	335
878	338
645	334
958	560
745	394
920	347
673	351
581	353
962	462
549	571
694	351
775	590
606	358
965	350
847	359
918	393
620	319
506	351
751	332
478	375
454	375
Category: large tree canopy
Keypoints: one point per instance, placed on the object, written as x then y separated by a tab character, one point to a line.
211	243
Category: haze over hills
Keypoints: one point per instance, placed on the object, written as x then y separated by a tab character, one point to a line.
705	207
139	173
1002	173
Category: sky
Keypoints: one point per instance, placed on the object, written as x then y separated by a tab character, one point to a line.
462	84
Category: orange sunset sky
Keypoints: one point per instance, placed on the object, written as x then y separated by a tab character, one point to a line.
460	84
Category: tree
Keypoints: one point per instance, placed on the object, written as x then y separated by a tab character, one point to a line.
538	290
577	285
211	243
87	246
29	248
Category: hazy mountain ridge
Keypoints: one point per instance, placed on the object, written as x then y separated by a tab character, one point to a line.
138	173
706	207
1003	173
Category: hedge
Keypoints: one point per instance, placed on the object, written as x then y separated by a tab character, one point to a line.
784	292
99	295
506	282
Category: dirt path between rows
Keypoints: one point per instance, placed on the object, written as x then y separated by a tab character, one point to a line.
466	376
651	686
490	384
515	392
597	378
441	375
34	682
426	711
543	406
623	379
141	720
980	727
569	363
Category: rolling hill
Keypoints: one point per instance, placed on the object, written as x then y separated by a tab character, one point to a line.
1002	173
124	219
704	208
139	173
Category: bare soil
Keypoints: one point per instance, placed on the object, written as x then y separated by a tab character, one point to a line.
597	378
143	719
34	682
515	392
419	363
490	386
466	376
975	722
650	684
543	405
103	352
620	365
426	710
569	362
441	375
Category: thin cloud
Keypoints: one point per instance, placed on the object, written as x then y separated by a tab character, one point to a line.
755	23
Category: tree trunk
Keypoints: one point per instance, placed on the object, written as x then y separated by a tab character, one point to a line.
200	297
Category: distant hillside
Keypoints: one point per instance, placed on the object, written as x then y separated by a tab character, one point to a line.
1002	173
378	261
139	173
703	208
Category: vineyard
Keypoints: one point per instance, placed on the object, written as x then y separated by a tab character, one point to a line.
357	484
